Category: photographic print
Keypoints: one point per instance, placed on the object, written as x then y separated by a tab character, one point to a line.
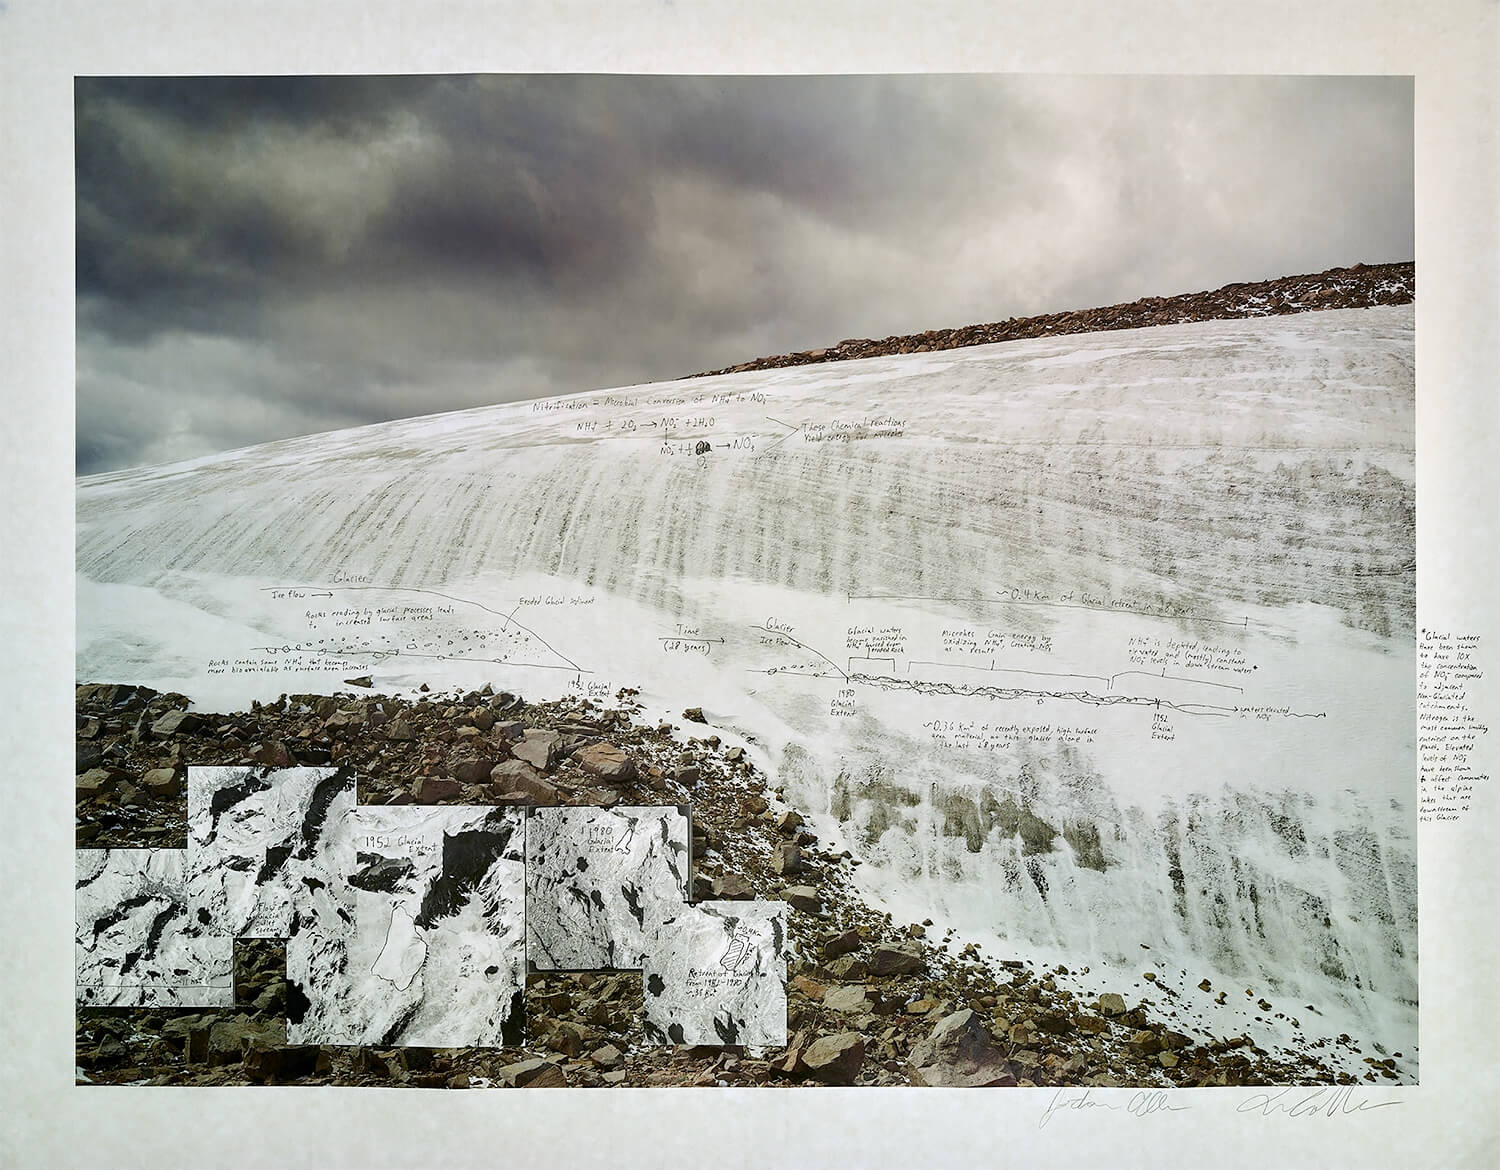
919	570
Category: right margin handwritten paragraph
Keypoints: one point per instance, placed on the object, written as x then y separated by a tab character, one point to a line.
1447	731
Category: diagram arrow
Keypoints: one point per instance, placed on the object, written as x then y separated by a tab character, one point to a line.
791	430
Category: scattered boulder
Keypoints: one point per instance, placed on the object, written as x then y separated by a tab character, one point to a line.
848	967
400	729
786	858
1111	1003
733	887
539	748
791	1064
1054	1023
162	782
525	1072
177	723
802	898
1174	1039
271	1062
95	781
272	753
551	1077
569	1038
228	1039
473	771
890	960
835	1060
842	944
432	789
959	1053
606	761
1145	1042
851	999
809	986
512	778
344	720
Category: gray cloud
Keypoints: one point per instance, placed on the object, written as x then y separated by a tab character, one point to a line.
261	257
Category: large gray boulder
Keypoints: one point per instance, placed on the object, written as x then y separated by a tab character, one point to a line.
606	761
835	1060
960	1053
539	748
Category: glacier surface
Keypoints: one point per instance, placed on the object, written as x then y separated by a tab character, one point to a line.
1098	649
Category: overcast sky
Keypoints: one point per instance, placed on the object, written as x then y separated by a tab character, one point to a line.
266	257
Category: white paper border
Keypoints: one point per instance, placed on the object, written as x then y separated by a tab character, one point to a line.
1450	47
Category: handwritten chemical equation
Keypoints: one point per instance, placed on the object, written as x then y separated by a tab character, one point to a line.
621	401
668	424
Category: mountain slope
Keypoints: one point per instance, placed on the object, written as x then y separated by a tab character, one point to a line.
1081	644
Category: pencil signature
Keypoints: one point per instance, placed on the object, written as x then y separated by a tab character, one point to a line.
1324	1102
1140	1104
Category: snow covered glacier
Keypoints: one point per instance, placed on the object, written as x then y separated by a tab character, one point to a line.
1098	648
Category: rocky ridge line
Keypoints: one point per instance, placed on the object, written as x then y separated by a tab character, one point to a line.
1358	287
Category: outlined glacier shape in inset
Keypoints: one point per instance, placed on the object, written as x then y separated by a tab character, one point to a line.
718	976
136	942
256	836
601	882
420	938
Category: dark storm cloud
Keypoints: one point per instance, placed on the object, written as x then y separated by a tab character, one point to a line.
260	257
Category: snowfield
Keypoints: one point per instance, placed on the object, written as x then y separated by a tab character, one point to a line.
1098	649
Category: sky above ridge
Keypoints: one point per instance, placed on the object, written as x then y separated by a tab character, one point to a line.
265	257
